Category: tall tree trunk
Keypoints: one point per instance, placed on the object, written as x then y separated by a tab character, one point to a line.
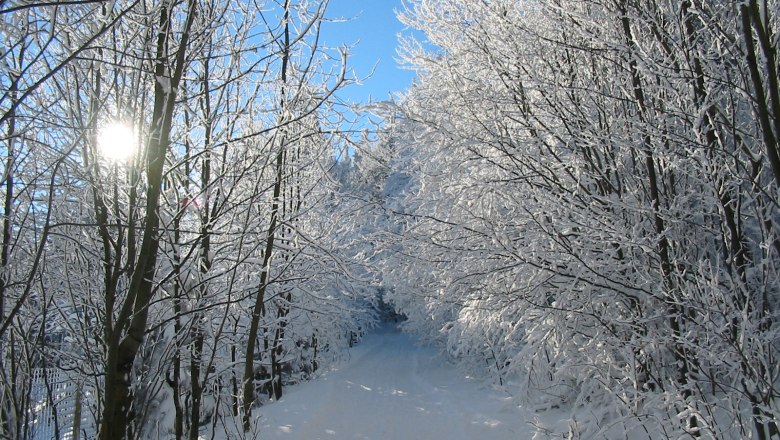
6	424
258	309
766	101
204	263
673	304
123	347
174	381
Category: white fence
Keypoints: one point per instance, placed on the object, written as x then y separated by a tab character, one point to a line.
56	410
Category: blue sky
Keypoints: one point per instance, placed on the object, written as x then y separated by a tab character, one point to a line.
371	30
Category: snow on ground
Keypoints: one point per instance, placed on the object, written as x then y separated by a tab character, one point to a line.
393	389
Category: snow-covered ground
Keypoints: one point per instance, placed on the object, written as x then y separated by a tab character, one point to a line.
393	389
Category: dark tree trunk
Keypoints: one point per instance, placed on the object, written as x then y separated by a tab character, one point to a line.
258	309
675	310
118	414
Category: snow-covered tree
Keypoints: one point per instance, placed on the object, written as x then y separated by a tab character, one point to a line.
132	276
595	205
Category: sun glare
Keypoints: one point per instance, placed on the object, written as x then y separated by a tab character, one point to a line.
116	142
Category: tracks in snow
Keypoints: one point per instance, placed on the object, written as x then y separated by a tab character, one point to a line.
392	389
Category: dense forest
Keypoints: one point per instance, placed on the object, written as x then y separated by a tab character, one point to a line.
576	200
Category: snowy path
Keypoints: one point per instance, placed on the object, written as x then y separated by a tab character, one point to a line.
392	389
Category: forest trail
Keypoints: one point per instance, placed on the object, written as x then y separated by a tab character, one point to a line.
393	389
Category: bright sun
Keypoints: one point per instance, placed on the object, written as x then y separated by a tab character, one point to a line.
116	142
